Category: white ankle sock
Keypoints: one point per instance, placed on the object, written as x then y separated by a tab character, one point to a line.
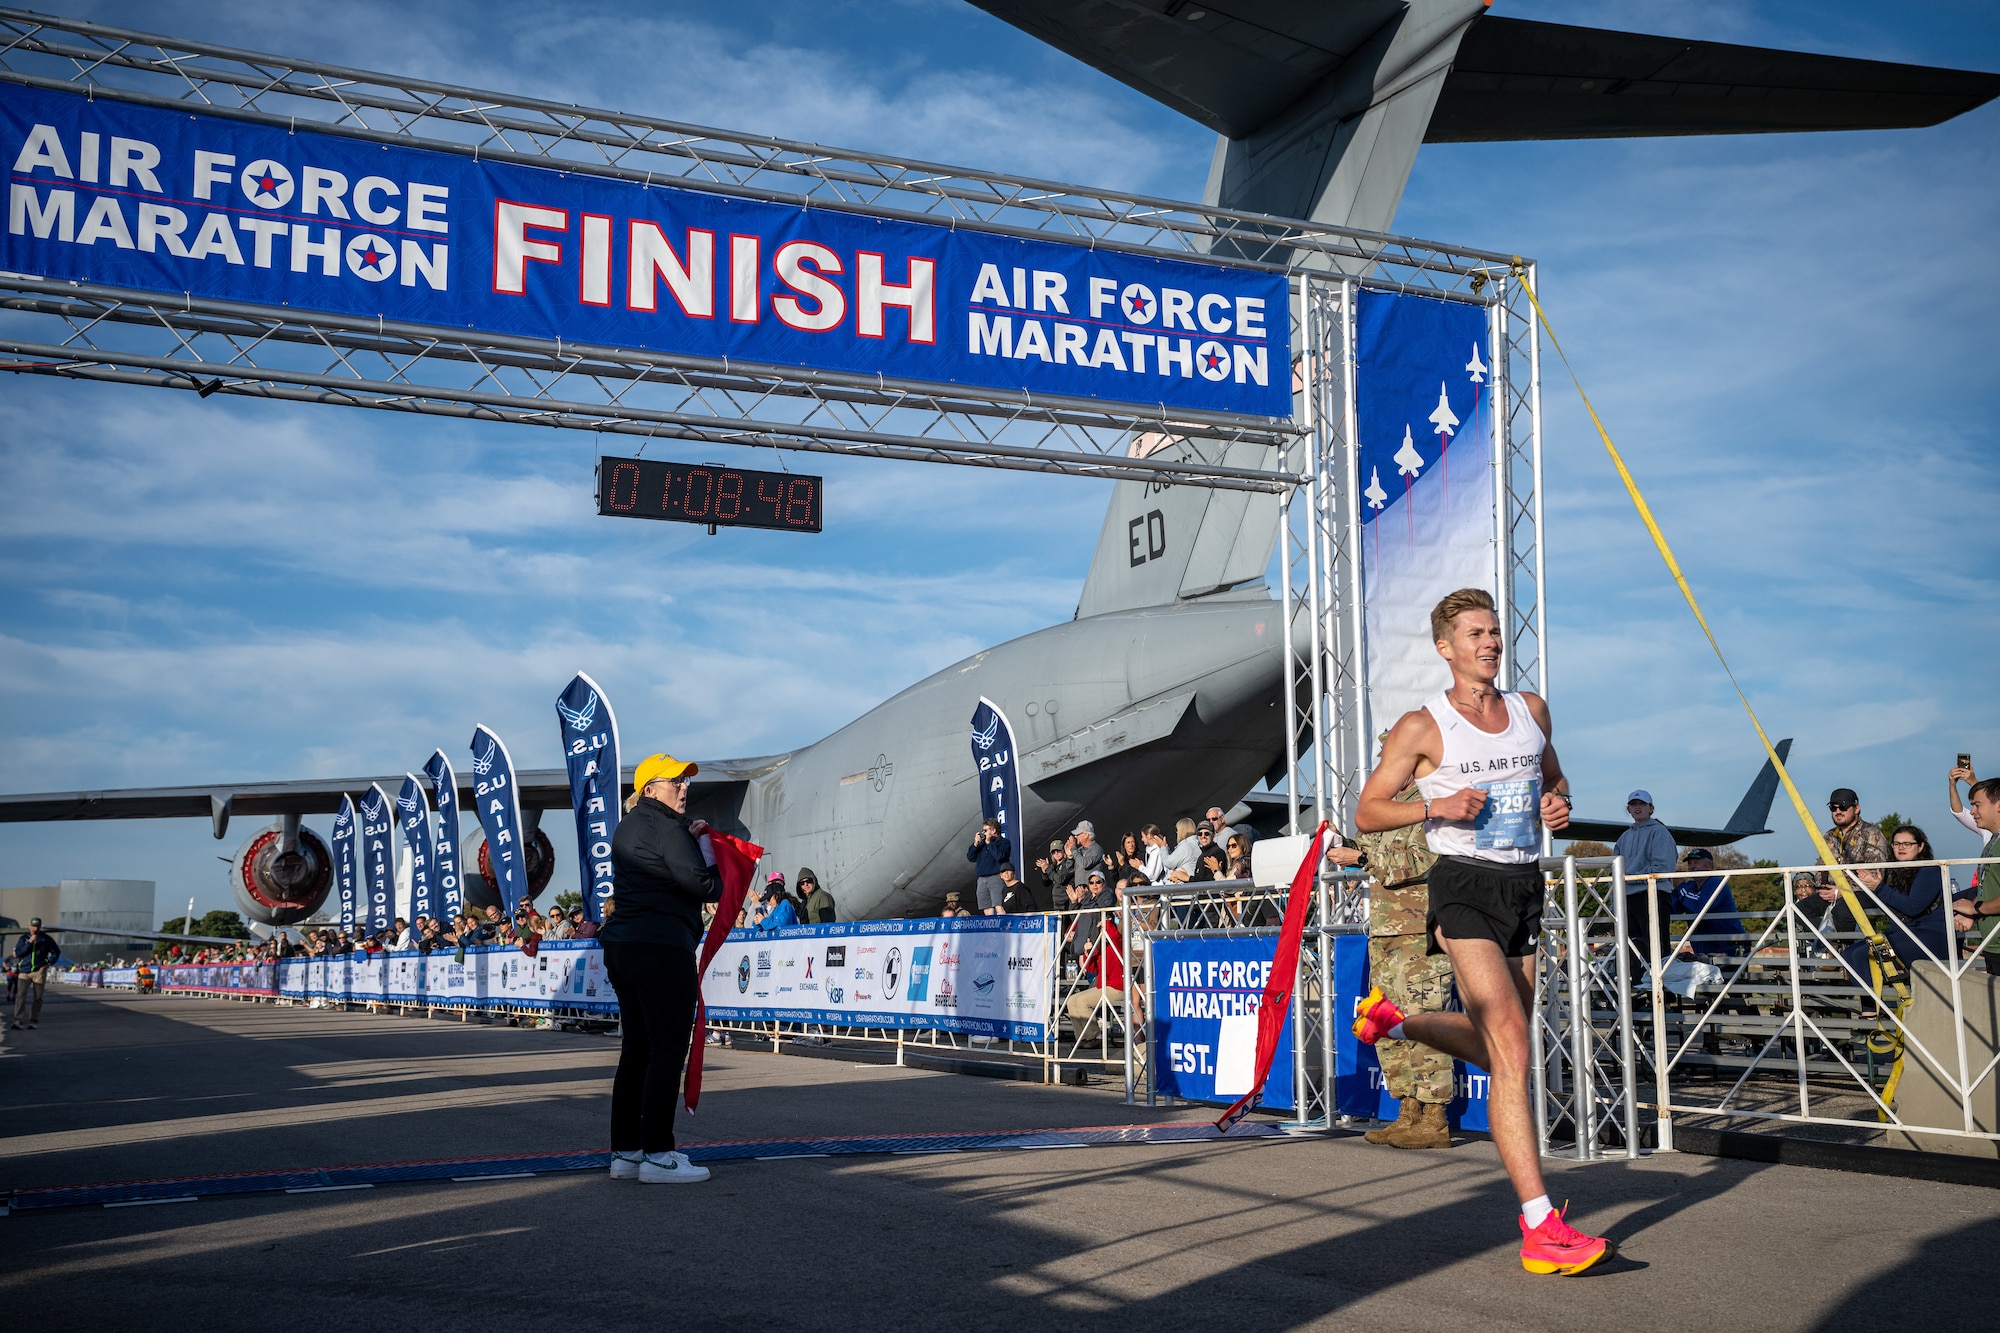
1535	1210
1396	1033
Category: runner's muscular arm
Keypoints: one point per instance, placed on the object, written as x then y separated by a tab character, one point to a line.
1555	786
1413	744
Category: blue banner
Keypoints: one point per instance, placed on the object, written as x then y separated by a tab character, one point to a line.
378	859
178	201
504	861
1205	997
999	776
444	853
1424	420
414	809
1358	1085
344	860
590	750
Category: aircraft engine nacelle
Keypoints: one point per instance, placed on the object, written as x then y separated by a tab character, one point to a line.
276	887
482	890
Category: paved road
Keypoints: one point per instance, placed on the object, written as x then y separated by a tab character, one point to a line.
1253	1235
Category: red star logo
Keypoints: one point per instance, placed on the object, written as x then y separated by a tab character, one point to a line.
1213	360
371	257
268	185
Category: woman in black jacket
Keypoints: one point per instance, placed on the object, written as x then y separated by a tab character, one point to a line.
663	871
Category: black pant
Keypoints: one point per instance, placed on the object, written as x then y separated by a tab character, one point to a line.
657	988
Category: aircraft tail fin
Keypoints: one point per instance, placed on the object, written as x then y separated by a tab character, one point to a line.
1163	543
1754	812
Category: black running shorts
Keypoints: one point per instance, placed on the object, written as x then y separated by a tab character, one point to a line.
1485	900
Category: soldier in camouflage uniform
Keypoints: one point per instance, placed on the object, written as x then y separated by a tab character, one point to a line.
1417	982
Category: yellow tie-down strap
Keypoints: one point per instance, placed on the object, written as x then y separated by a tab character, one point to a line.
1884	967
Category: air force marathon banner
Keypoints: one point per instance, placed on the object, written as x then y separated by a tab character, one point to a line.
1425	424
179	202
503	859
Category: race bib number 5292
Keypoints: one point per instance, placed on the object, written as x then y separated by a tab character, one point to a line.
1511	817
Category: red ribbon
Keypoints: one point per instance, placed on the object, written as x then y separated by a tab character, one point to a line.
736	861
1277	999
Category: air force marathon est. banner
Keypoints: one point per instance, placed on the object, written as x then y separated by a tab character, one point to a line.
182	202
986	975
1424	418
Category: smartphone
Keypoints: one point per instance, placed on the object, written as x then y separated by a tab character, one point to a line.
1964	760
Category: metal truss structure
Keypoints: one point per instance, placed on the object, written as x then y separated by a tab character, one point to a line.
82	331
1327	670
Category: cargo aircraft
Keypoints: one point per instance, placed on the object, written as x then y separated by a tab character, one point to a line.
1164	692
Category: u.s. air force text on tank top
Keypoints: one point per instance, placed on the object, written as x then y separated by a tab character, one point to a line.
1507	766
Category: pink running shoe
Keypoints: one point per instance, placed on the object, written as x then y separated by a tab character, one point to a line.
1378	1015
1557	1247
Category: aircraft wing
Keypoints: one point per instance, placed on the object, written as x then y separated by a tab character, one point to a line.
540	789
1751	814
1238	65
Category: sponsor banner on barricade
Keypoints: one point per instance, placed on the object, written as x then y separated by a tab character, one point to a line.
121	976
452	982
988	976
1205	997
221	978
292	974
368	977
403	981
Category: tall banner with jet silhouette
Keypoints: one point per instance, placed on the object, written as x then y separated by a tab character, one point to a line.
590	750
344	859
444	852
504	861
999	775
378	856
413	812
1424	416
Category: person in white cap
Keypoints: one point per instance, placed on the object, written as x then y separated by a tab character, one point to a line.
1087	857
1648	849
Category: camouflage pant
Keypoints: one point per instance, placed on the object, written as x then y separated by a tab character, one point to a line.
1417	984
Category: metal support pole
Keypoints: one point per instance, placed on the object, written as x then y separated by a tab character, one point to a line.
1350	465
1662	1092
1152	1080
1628	1088
1131	982
1583	1091
1535	436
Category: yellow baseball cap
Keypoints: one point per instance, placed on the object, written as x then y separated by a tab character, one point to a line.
658	766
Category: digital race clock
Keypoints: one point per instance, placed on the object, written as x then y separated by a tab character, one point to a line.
708	493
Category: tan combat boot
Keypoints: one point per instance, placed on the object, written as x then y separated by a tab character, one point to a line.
1427	1129
1405	1118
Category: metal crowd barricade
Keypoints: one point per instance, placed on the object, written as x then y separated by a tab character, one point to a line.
1814	1044
1580	1040
1241	908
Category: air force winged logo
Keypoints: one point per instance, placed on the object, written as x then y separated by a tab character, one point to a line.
984	739
407	803
482	764
579	719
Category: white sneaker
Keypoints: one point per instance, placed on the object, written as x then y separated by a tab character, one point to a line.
625	1166
670	1168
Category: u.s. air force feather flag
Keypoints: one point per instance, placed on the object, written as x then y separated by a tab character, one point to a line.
444	853
378	856
999	776
504	861
413	810
1424	418
344	860
590	751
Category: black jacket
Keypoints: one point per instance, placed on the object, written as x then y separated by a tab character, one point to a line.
660	880
36	952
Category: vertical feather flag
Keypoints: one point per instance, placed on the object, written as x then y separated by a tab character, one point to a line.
736	861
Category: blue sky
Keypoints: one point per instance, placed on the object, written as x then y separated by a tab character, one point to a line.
1792	338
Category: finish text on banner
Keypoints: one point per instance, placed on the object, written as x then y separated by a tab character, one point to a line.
178	202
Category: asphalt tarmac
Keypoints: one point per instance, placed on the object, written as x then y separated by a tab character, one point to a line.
1251	1235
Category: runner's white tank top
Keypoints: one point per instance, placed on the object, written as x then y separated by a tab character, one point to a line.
1508	766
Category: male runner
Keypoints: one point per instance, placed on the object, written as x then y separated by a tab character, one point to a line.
1490	781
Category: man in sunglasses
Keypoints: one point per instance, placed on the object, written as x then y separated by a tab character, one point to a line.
1853	840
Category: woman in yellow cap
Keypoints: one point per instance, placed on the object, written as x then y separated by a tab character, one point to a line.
664	870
